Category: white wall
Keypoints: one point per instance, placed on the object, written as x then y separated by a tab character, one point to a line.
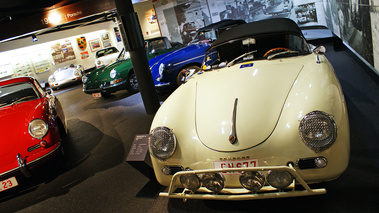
19	53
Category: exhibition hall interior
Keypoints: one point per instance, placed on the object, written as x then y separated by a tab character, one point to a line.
189	106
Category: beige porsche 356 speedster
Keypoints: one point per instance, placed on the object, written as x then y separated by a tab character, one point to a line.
264	118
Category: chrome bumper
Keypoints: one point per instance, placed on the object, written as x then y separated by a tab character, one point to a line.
23	165
266	192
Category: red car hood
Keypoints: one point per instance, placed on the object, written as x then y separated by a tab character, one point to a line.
14	121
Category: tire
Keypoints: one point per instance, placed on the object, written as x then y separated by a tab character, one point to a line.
180	74
132	84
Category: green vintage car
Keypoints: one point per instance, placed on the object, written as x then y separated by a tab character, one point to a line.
120	75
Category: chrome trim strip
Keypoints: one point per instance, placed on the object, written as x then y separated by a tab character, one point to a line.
201	56
233	133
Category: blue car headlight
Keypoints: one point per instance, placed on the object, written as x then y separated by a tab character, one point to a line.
161	68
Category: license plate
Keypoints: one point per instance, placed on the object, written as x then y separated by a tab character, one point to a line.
235	164
8	183
96	95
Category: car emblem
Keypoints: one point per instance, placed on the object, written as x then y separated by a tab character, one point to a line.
82	42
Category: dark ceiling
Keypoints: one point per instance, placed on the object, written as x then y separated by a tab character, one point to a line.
21	18
18	9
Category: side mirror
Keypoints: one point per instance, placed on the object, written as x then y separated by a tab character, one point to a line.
319	50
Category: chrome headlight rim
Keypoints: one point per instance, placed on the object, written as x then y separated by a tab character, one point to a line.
279	179
84	79
214	182
252	180
191	181
323	125
76	73
166	148
113	73
38	133
51	79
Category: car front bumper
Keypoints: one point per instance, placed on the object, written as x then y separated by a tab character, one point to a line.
108	88
67	81
265	192
25	165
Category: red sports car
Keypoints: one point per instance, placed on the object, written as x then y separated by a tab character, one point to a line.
32	124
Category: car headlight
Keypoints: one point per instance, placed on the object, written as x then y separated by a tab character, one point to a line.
252	181
318	131
38	128
162	143
113	73
51	79
161	68
214	181
84	79
77	73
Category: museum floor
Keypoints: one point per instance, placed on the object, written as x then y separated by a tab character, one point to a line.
97	178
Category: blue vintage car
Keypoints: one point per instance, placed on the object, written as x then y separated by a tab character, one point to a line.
169	70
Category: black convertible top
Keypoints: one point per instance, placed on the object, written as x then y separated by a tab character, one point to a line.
268	26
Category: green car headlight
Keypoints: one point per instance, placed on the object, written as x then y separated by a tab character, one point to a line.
318	131
38	128
162	143
113	73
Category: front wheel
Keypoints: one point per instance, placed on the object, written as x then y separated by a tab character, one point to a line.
132	84
181	74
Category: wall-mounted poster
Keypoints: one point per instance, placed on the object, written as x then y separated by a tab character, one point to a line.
117	34
105	40
5	70
151	18
40	61
62	52
104	37
84	55
22	65
95	45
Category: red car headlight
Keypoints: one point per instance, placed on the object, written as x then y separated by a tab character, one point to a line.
38	128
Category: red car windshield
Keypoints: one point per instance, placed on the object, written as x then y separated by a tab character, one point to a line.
16	93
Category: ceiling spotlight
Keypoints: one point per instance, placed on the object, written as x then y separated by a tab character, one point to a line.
34	37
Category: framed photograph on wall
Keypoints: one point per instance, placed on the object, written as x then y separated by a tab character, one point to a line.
95	45
105	36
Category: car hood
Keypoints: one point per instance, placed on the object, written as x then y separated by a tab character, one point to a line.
261	91
14	121
64	74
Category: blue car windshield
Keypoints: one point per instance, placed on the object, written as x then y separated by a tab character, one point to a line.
256	48
17	93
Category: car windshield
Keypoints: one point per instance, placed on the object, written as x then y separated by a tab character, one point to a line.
105	52
255	48
206	35
123	55
17	93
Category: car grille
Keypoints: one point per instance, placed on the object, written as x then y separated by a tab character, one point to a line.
32	148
